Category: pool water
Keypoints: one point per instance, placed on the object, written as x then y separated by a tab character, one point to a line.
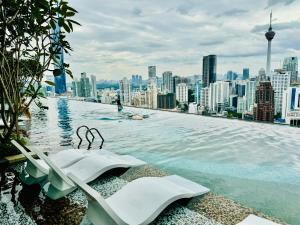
255	164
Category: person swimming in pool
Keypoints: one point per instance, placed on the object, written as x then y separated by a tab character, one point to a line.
120	107
129	115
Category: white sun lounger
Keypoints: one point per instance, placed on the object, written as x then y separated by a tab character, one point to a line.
255	220
86	169
140	201
37	170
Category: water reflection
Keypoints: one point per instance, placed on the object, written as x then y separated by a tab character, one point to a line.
38	116
64	122
255	164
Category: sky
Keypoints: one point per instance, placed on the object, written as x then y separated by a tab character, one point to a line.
119	38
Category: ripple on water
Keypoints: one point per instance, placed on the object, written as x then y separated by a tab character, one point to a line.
190	145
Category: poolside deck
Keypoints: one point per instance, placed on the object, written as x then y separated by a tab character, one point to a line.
209	210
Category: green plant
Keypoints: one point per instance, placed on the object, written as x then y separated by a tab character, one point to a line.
32	37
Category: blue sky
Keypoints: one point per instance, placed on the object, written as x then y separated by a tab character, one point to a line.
122	37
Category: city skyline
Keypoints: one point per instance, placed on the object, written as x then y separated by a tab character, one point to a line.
176	35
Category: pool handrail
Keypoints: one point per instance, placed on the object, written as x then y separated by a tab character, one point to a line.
87	131
99	134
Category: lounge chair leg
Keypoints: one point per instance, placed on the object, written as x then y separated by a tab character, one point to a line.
98	217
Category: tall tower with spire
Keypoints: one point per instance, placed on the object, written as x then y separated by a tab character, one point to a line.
269	35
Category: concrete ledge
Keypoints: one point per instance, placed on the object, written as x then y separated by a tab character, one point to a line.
13	159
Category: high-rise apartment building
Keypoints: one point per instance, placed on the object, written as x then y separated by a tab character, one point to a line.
136	80
240	89
290	64
233	102
241	104
246	73
159	84
151	95
76	88
125	91
209	70
231	75
280	80
93	86
198	91
152	72
291	106
138	99
176	80
250	94
205	97
85	86
264	102
219	93
182	93
168	82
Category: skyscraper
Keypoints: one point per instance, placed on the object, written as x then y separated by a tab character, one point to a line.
280	80
85	86
176	80
182	93
264	102
198	91
167	82
241	104
76	88
205	97
250	94
152	72
125	91
262	75
269	36
231	75
240	89
219	93
60	79
291	64
159	83
233	102
93	86
291	106
136	80
246	73
151	95
209	70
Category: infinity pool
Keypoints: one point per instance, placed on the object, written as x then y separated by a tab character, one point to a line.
255	164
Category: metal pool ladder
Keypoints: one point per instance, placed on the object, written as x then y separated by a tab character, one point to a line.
89	131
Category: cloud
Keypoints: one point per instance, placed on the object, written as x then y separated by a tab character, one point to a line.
122	37
275	2
277	26
233	12
185	8
210	42
137	11
245	54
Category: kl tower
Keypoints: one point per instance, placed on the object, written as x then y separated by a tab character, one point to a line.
269	35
